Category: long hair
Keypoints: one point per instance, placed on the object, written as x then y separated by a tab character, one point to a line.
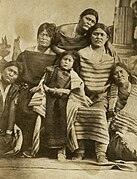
16	64
76	57
101	26
50	28
131	78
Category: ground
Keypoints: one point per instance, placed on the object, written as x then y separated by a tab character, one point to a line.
43	168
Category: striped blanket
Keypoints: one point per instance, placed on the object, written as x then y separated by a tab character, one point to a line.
38	101
87	122
125	125
16	143
94	72
126	119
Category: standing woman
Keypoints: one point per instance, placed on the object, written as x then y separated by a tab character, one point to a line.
74	36
91	122
33	62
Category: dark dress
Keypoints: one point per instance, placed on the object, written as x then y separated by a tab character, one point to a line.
33	65
7	141
55	121
70	43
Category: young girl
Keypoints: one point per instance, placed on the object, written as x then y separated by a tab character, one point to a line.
56	84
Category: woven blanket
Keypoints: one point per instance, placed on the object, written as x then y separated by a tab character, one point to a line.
91	124
85	121
126	119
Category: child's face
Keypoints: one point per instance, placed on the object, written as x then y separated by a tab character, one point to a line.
66	62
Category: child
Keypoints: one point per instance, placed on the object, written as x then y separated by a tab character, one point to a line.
56	84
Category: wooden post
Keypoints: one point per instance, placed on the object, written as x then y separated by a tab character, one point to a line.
123	28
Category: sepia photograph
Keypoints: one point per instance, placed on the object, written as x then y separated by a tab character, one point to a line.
68	89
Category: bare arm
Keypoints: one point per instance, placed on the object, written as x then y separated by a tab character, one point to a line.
57	50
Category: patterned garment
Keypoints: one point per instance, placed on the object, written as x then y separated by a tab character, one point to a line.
76	86
124	124
95	75
90	121
126	119
86	122
55	118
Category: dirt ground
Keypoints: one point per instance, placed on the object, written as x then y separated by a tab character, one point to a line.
43	168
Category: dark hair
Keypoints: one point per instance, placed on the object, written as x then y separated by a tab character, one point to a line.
50	28
90	11
101	26
16	64
122	65
76	57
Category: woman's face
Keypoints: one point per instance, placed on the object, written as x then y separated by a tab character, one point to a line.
120	76
87	21
99	37
10	74
44	39
66	62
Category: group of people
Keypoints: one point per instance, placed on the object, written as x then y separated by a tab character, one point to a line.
69	88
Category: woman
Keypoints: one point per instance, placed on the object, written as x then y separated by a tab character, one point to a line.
122	114
8	96
74	36
33	62
91	122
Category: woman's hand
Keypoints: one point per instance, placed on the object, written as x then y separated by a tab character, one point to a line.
58	91
46	88
88	100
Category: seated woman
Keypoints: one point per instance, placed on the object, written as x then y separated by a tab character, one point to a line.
58	82
74	36
122	114
8	96
91	122
33	62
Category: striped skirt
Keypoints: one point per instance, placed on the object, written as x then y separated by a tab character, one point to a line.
86	123
126	119
91	124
